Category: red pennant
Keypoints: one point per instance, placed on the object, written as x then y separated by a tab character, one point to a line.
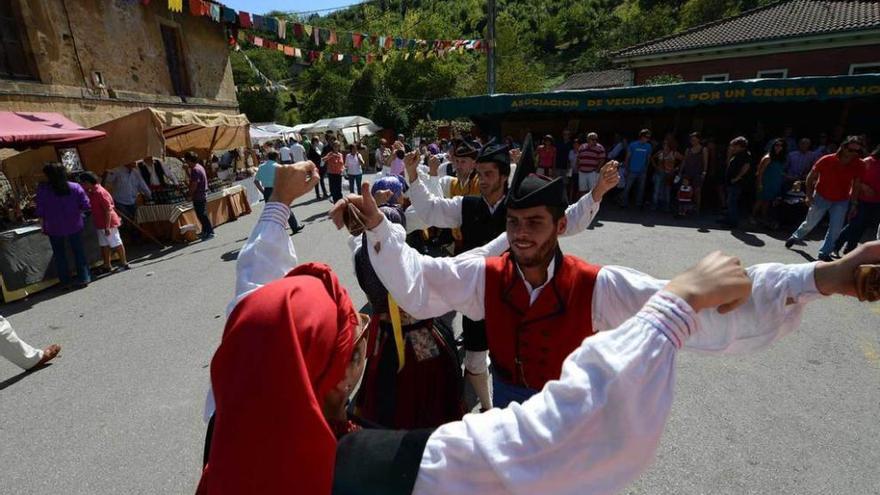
244	18
357	39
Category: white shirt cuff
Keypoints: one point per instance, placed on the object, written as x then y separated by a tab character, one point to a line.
379	232
275	212
671	315
803	277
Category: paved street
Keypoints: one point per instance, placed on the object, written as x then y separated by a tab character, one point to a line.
120	411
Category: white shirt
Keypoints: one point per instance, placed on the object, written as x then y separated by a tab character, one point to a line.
534	292
298	152
596	428
284	154
353	164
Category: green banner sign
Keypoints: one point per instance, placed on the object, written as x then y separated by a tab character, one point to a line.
665	96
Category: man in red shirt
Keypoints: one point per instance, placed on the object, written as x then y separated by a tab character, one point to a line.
547	156
106	221
868	208
832	182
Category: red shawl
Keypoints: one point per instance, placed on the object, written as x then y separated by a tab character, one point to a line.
284	347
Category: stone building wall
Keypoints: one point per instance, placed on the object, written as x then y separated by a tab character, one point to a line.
67	41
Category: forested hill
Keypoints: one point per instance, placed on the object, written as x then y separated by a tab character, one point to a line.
539	43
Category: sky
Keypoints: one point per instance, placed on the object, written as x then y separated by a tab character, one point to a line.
263	6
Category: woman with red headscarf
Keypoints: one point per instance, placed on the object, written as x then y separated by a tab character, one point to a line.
291	353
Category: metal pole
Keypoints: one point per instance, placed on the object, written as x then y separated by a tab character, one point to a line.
490	47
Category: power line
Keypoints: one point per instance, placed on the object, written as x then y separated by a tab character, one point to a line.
332	8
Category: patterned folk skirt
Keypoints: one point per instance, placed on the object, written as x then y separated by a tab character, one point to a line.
425	393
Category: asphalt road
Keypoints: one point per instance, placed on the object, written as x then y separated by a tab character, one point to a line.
120	410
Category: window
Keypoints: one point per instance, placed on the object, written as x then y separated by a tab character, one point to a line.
176	62
98	79
871	68
773	74
13	61
716	77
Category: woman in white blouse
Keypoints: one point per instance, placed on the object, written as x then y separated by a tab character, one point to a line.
354	168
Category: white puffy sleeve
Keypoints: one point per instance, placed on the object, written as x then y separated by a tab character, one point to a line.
779	295
435	211
592	431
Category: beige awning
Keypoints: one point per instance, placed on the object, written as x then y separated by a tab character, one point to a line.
148	132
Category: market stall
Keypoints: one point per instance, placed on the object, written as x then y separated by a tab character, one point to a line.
253	194
177	222
353	127
282	131
26	264
158	133
259	136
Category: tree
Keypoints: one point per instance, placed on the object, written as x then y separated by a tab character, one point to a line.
516	70
324	87
260	105
696	12
665	79
389	113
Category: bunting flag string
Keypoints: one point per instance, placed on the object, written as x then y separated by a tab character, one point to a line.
424	51
283	30
269	85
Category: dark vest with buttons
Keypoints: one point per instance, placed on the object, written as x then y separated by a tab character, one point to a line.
478	224
529	343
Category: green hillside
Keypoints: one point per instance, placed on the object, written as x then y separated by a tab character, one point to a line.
539	43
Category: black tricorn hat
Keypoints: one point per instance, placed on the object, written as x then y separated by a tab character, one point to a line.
495	153
464	148
530	189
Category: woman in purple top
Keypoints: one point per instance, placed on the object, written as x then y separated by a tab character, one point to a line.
60	206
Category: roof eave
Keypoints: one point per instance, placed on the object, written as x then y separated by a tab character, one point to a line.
792	43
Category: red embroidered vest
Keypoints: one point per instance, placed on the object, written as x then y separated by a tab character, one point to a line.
529	343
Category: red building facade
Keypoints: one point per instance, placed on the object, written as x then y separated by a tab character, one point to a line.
822	62
790	38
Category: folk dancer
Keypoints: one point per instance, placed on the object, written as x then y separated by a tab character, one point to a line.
484	218
413	378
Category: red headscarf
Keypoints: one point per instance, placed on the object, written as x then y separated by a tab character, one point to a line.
284	347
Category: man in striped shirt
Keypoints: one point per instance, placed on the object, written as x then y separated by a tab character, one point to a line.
591	157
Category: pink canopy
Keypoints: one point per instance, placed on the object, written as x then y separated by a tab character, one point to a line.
20	130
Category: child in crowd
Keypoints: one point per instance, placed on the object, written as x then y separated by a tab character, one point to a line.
106	221
547	156
685	198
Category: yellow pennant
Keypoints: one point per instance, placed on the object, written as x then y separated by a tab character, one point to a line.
396	326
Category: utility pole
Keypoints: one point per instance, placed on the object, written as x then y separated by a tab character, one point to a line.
490	47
